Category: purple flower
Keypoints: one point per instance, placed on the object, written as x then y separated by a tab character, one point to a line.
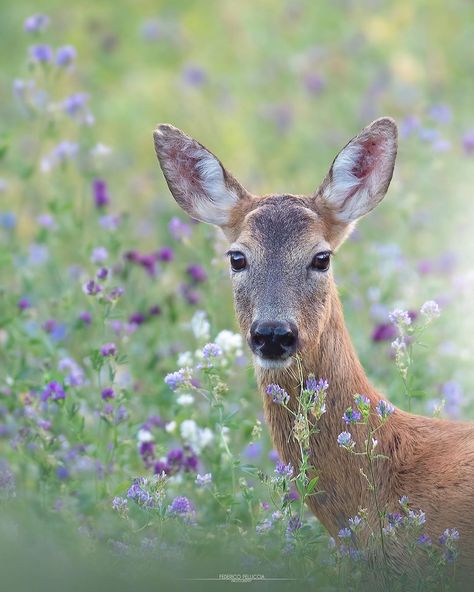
181	506
137	318
294	523
42	54
91	288
194	75
161	467
108	350
85	317
345	440
65	55
99	255
62	473
154	310
283	470
100	193
190	463
197	273
119	504
190	295
53	390
316	385
424	539
203	480
75	103
384	332
139	495
362	402
147	452
102	273
165	254
468	142
23	304
395	519
441	113
179	229
352	416
345	533
278	395
108	393
384	409
177	379
36	23
450	535
314	83
174	459
211	350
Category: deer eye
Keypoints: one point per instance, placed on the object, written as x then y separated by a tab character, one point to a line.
238	262
321	261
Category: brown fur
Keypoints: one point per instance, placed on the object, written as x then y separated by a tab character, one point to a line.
429	460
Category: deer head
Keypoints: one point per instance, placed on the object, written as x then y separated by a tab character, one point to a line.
281	245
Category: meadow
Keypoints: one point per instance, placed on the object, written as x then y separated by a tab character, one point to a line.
133	450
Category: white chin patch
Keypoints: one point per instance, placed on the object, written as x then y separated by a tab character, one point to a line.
273	364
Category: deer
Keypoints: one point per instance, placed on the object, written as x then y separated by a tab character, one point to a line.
287	305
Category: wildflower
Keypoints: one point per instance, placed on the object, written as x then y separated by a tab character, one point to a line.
264	526
211	350
384	409
120	415
416	518
468	142
424	539
195	436
140	495
176	379
108	350
383	332
65	55
400	317
100	193
36	23
449	536
75	103
181	506
194	75
430	310
165	254
345	440
108	393
42	54
120	505
316	385
23	304
278	395
294	523
179	229
7	481
403	501
60	154
352	416
102	273
91	288
85	317
282	470
99	255
345	533
53	390
355	522
229	342
75	374
197	273
200	325
115	294
185	399
203	480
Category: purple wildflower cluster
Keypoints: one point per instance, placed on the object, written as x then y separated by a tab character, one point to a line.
54	391
277	394
177	460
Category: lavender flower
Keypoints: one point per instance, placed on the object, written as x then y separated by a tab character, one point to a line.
75	103
99	255
430	310
179	229
424	539
400	317
211	350
91	288
23	304
85	317
120	505
41	54
278	395
468	142
181	506
345	440
294	523
384	409
450	535
352	416
108	393
108	350
345	533
140	495
362	402
177	379
197	273
36	23
316	386
100	193
203	480
282	470
165	254
53	390
65	55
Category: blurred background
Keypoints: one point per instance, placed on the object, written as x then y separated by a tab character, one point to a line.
274	89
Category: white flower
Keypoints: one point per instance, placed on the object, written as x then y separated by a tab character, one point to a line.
185	359
197	437
203	480
100	150
200	326
399	344
185	399
229	342
430	310
170	427
144	436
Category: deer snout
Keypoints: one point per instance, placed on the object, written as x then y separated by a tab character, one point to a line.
273	340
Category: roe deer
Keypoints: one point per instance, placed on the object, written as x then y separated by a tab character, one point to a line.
286	303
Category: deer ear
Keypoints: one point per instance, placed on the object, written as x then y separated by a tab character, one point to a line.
361	173
196	178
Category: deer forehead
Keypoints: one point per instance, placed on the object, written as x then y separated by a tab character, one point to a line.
282	224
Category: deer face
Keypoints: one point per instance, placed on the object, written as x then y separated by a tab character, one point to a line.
280	245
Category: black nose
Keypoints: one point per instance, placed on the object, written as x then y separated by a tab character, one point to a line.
273	340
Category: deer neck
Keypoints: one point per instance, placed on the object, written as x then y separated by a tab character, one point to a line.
344	489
